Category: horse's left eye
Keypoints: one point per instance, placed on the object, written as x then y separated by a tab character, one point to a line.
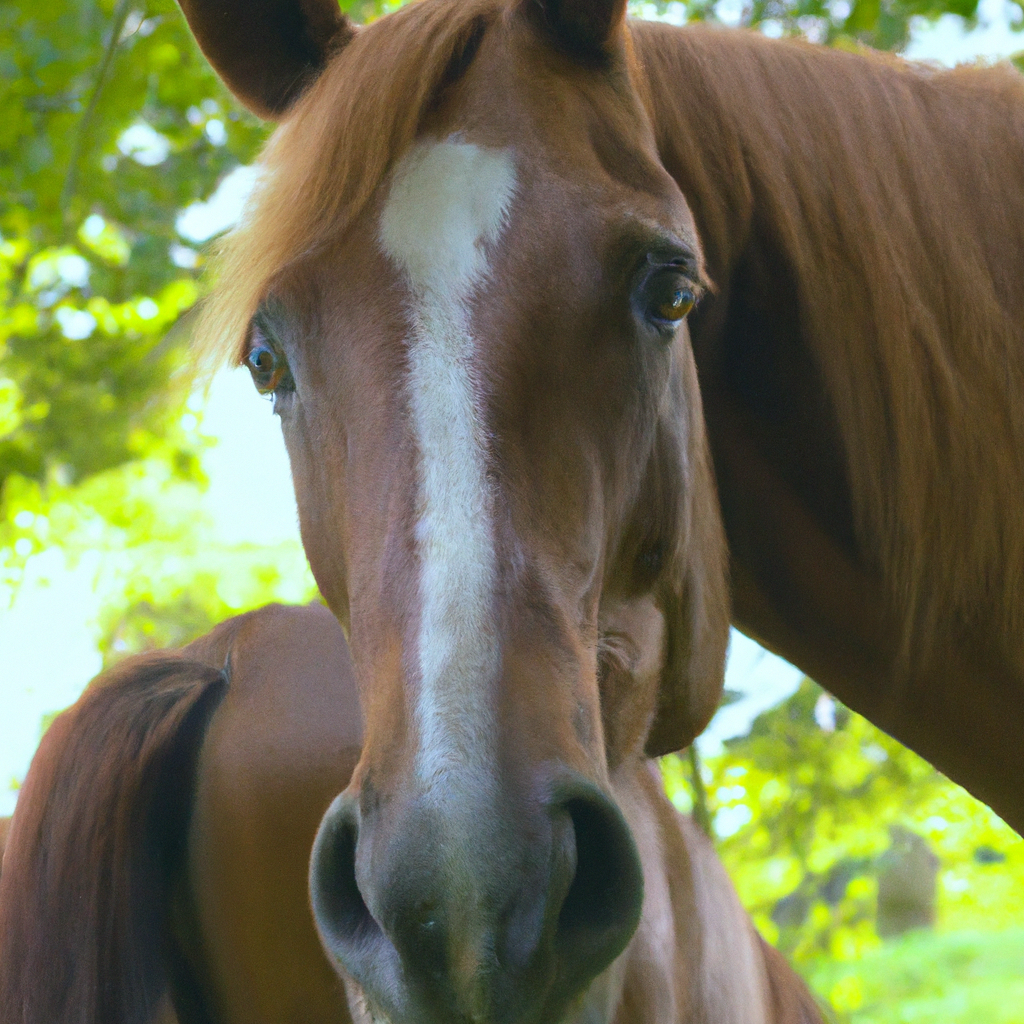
268	368
668	297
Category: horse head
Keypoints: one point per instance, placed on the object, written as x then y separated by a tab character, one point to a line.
464	278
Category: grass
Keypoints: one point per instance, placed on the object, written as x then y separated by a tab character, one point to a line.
926	978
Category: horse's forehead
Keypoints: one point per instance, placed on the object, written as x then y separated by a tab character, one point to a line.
447	200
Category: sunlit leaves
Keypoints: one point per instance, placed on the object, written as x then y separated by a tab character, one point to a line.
95	173
89	285
883	24
960	978
802	808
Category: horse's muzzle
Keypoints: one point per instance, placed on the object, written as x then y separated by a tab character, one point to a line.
507	924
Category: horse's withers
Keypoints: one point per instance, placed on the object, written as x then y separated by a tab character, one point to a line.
491	410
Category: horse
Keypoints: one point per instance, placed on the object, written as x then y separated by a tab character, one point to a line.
160	853
465	278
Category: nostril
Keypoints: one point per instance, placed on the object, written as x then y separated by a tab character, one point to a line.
602	907
348	931
338	907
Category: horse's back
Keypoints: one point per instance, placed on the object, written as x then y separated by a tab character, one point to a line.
279	748
160	846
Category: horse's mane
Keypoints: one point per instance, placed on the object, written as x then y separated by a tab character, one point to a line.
892	196
323	164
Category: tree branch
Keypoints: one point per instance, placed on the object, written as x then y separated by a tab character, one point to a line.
701	812
85	124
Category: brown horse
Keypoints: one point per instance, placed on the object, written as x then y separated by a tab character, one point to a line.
160	852
160	843
464	278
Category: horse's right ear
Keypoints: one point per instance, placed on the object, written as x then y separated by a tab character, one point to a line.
267	51
586	28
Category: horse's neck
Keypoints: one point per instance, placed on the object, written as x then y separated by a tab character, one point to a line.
729	978
698	133
735	976
695	958
843	202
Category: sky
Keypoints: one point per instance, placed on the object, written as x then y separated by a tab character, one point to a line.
49	634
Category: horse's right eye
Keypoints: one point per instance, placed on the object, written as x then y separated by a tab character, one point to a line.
668	295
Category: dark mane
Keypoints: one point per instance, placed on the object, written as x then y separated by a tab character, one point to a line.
323	164
892	194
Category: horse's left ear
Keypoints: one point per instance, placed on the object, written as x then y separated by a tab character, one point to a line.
588	28
268	52
694	599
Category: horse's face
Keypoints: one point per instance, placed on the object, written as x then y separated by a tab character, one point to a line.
488	397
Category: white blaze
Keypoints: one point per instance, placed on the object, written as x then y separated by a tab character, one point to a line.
448	200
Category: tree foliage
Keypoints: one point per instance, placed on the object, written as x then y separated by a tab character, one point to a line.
882	24
113	124
803	809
